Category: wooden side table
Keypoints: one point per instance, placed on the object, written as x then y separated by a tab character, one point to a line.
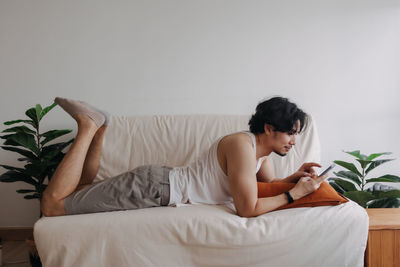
383	247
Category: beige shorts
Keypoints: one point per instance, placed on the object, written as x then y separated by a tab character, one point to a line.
143	187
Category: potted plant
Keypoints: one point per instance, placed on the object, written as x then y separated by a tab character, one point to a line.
40	156
352	182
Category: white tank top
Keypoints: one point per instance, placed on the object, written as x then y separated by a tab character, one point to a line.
203	180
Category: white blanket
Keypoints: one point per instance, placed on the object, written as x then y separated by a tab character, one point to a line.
206	235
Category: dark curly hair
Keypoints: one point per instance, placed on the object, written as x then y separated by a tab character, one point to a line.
278	112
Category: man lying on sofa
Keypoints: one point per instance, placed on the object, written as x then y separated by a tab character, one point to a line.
227	173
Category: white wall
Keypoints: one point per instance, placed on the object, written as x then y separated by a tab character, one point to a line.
339	60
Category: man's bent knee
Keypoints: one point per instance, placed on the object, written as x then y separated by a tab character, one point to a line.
51	207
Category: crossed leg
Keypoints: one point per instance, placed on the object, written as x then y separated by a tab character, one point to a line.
92	160
67	176
81	163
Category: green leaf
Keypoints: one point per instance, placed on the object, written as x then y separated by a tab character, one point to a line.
7	136
384	203
18	121
375	155
349	175
335	186
376	163
49	152
56	161
10	142
11	168
364	163
38	109
25	140
13	176
53	134
33	196
385	178
35	169
46	110
19	129
24	191
23	159
48	156
23	152
356	154
60	146
347	186
349	166
361	197
383	194
31	113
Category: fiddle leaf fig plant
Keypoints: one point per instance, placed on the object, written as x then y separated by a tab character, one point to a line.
40	157
352	182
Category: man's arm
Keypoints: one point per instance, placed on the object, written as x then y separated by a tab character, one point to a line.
267	174
241	166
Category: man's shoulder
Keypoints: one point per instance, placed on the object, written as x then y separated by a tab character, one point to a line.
239	137
235	141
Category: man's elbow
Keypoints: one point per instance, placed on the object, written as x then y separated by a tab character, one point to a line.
246	211
246	214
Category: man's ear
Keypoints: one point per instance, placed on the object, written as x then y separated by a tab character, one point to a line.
268	128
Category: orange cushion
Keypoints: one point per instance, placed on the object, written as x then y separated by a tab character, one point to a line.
325	195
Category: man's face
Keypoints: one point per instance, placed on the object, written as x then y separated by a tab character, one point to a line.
284	141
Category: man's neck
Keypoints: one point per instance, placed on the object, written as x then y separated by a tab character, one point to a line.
263	145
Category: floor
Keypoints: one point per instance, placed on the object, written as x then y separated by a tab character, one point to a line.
15	254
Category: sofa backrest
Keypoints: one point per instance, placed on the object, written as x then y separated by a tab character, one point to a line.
176	140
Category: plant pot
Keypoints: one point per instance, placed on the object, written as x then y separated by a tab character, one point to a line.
34	258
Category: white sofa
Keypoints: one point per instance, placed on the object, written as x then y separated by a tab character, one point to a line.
200	235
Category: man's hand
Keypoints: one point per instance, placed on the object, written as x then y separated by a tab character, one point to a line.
306	170
306	185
